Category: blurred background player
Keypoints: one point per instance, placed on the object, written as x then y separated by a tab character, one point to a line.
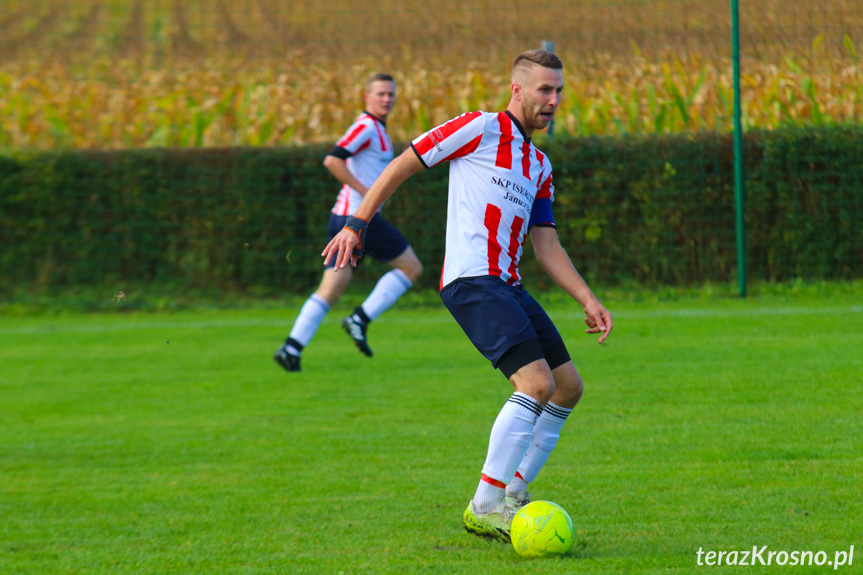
356	161
500	191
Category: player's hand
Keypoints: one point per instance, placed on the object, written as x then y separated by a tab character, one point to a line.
598	320
341	247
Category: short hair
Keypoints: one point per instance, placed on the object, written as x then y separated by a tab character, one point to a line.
539	57
380	77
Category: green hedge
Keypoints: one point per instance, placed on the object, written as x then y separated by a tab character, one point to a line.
654	210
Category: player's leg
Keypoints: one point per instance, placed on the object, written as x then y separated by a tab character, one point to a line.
333	285
510	438
568	389
385	243
392	285
546	432
568	386
490	313
512	432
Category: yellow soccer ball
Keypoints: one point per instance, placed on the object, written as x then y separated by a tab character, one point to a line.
541	528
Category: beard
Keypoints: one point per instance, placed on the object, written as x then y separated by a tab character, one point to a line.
533	115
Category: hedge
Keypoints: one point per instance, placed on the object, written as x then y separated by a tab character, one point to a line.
652	210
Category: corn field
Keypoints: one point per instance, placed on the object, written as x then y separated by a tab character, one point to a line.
122	74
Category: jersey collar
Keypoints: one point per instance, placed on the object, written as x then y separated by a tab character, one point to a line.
367	113
518	125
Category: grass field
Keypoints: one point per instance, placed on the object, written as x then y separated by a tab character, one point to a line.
171	443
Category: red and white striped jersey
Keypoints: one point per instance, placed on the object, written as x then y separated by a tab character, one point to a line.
496	175
367	149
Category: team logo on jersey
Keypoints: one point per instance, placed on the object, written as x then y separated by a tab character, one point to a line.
436	136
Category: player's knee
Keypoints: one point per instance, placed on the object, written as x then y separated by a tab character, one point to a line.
541	391
534	379
569	390
329	295
576	391
413	269
415	272
545	392
409	264
331	290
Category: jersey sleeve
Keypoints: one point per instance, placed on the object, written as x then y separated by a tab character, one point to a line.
357	138
458	137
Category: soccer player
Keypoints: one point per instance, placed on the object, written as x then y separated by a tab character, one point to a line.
500	191
357	159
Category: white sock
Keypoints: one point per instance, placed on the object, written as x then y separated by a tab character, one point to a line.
518	485
546	432
489	494
389	288
510	439
311	315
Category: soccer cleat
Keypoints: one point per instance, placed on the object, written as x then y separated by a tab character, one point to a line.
494	525
357	331
518	501
287	360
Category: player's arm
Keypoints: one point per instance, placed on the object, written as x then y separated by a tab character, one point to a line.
399	170
556	263
338	167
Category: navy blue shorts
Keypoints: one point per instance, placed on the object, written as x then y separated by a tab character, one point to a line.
505	323
384	241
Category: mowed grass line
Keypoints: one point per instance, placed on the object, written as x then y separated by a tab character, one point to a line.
171	443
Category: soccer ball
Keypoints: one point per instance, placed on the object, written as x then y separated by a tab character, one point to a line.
541	528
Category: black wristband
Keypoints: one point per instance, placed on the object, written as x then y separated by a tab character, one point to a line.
357	226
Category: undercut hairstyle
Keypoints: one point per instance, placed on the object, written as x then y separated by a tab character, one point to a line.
542	58
378	78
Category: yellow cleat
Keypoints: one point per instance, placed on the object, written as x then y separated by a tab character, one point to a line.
492	525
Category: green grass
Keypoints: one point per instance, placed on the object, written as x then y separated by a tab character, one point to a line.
171	443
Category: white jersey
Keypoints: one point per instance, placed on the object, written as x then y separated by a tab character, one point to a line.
496	175
367	149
